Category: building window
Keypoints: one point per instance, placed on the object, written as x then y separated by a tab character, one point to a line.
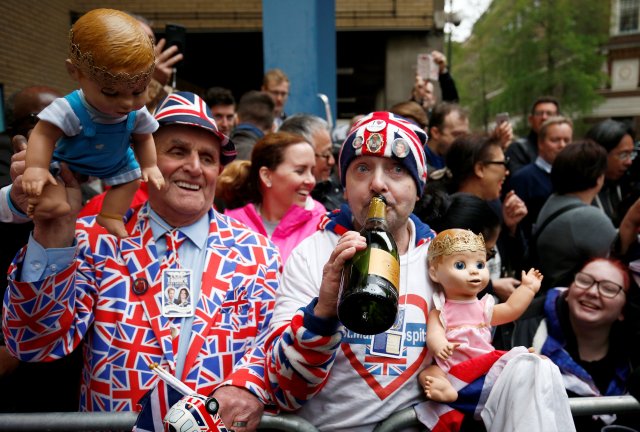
628	16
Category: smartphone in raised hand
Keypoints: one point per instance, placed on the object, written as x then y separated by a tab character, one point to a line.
426	67
501	118
176	34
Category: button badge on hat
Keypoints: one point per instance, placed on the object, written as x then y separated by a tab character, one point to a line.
374	142
400	147
376	125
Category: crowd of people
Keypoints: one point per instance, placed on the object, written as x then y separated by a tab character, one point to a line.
225	272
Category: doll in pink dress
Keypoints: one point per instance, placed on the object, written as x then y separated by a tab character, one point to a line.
459	325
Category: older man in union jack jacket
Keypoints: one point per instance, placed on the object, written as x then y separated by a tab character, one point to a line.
76	283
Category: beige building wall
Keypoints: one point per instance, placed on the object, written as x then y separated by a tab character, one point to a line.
400	67
34	32
33	44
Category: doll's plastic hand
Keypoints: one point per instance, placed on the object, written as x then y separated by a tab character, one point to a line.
153	175
532	279
34	180
61	199
446	351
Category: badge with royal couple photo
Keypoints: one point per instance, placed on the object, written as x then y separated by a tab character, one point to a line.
177	293
390	343
374	142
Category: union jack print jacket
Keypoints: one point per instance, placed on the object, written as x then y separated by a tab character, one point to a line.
93	301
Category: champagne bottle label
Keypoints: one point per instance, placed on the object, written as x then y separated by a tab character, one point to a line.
383	264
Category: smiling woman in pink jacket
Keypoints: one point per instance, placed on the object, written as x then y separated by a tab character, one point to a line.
271	194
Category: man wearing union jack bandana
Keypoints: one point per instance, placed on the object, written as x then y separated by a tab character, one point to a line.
76	283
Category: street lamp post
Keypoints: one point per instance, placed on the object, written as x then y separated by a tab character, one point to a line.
450	26
453	19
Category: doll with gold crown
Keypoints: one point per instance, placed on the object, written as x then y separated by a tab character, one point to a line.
93	129
460	323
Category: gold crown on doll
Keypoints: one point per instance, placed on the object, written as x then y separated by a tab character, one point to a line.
86	63
453	241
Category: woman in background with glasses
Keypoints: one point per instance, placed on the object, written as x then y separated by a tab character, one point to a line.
582	329
476	165
617	193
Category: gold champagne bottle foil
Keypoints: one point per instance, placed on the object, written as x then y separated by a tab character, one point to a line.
377	209
385	265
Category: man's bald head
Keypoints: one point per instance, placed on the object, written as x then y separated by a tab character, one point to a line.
25	105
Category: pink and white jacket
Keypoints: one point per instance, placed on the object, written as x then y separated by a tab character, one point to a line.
297	224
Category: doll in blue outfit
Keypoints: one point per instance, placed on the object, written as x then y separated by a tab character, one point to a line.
92	129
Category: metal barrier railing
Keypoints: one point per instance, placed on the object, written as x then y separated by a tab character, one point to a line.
123	421
579	407
603	405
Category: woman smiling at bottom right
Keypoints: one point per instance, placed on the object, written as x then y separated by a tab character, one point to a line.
582	330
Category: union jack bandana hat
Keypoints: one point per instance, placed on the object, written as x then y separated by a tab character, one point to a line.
388	135
189	109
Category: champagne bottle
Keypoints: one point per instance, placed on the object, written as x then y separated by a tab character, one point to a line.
369	287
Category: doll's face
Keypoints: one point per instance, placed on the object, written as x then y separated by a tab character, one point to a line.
462	275
115	100
112	58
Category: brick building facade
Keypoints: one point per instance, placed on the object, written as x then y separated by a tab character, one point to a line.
377	43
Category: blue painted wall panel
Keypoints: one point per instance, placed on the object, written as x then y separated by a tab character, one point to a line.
299	37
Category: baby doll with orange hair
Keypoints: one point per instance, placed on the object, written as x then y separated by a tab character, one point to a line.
459	325
93	129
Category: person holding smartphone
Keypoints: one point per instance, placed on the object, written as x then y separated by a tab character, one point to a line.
424	91
167	56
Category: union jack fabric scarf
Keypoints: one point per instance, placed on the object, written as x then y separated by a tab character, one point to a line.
340	221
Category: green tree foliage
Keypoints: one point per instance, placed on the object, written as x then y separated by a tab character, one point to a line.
522	49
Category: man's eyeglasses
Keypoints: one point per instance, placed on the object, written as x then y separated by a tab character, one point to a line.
504	162
491	253
606	288
327	156
627	155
